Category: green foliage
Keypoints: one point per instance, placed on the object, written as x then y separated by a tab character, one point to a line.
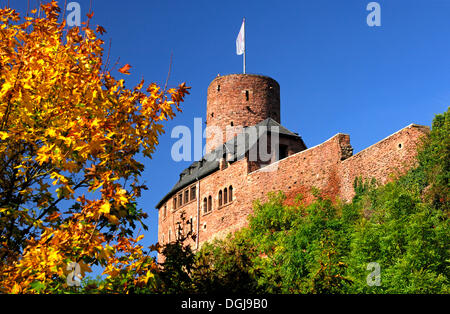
326	247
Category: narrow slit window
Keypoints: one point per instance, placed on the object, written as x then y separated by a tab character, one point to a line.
225	195
186	196
209	203
230	193
220	198
246	95
193	193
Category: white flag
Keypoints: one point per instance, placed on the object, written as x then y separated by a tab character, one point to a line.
240	42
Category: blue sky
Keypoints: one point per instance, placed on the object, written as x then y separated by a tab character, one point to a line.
336	73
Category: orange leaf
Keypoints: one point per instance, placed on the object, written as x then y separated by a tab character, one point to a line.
100	30
125	69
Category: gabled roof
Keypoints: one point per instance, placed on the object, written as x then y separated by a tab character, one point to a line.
210	162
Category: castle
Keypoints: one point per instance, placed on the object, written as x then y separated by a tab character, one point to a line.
216	193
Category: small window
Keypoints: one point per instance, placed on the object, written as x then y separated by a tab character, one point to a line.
400	145
179	231
165	211
175	202
180	199
218	88
246	95
220	198
205	205
209	203
225	195
191	225
186	196
230	193
232	124
193	193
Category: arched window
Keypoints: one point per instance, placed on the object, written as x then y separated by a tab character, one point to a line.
209	203
220	198
225	196
230	193
205	205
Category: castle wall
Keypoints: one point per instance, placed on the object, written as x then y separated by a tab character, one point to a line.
245	100
391	156
326	166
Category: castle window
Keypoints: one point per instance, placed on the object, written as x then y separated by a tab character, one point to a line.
179	233
232	124
186	196
205	205
175	202
193	192
165	211
218	88
225	195
191	225
209	203
230	193
246	95
220	198
400	145
180	199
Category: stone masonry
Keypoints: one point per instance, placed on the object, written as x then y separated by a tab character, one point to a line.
219	197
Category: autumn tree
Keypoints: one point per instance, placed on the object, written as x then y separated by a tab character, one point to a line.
70	134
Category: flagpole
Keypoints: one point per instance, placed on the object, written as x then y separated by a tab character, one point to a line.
244	45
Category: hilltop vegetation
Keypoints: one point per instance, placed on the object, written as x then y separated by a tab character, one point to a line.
389	239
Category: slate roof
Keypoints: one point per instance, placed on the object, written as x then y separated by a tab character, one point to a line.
210	162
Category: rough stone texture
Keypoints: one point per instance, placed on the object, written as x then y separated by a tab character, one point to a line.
328	166
241	100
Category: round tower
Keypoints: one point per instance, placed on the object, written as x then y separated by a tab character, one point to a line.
240	100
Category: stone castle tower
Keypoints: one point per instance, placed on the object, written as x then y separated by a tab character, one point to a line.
216	194
241	100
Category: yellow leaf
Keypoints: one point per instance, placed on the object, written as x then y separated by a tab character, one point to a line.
3	135
139	238
104	209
